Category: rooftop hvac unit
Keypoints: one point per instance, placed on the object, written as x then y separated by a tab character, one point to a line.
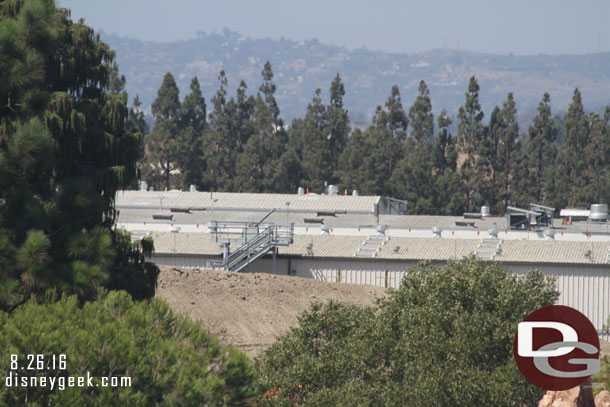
599	212
524	219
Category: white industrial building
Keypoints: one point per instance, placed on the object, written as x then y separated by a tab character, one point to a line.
351	239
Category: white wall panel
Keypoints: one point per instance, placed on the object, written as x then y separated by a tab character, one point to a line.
586	289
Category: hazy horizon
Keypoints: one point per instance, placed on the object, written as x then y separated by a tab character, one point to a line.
520	27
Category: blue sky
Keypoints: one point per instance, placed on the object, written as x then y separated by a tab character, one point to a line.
501	27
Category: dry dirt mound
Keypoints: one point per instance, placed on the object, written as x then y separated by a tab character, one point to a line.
249	310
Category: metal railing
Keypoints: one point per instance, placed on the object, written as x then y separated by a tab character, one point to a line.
255	240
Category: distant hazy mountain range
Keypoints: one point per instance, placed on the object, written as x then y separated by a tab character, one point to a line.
301	67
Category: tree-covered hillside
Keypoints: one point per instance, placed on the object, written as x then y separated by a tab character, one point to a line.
302	67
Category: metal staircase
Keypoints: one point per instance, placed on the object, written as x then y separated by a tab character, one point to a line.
254	240
488	249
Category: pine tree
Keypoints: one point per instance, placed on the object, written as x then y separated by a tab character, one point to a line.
571	162
471	132
509	148
270	127
597	171
266	143
412	179
116	82
449	195
137	125
267	90
490	161
192	126
387	134
64	153
421	118
220	146
338	124
355	162
163	144
541	148
316	154
445	154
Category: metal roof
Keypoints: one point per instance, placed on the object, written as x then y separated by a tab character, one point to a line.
245	201
554	252
323	246
409	249
428	249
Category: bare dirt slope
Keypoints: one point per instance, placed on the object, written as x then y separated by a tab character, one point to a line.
250	310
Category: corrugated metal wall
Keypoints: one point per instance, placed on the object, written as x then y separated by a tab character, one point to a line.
586	289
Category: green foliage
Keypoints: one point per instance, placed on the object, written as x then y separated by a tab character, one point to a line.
413	179
246	147
471	133
220	144
421	118
64	152
541	149
171	360
164	146
174	156
356	162
498	156
316	156
325	134
443	338
384	146
192	123
130	271
261	164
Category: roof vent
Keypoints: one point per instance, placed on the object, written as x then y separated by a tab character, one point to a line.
192	188
332	190
325	229
549	234
355	192
493	233
300	191
436	231
381	230
395	249
599	212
